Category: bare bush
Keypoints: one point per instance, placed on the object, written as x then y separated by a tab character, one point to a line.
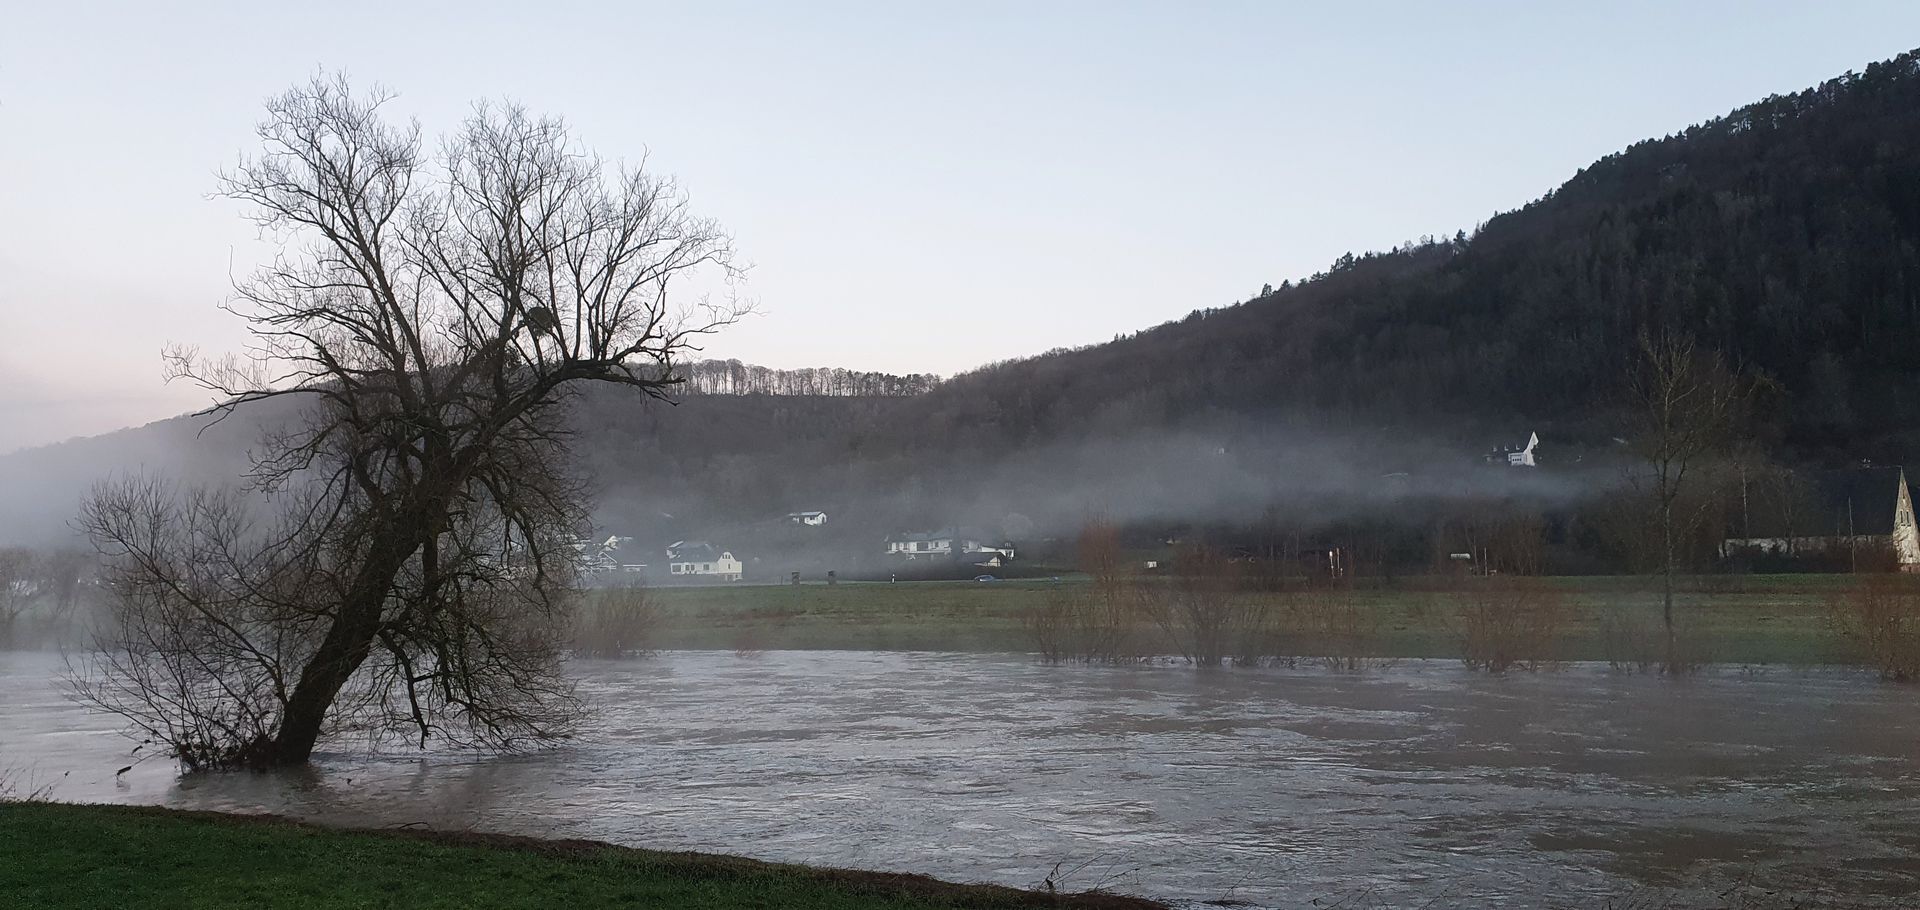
1879	615
1206	612
616	622
1686	654
1259	634
1096	624
749	641
1638	642
1335	626
17	788
1510	623
1049	626
1631	642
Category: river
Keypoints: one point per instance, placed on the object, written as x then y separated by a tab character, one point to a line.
1416	785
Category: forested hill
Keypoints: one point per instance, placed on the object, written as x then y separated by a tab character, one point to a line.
1786	234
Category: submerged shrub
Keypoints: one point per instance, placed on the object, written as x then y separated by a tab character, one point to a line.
1631	641
1336	626
1635	642
1097	623
1207	613
1879	615
616	622
1510	623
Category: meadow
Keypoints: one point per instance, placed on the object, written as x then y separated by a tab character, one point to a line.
1779	619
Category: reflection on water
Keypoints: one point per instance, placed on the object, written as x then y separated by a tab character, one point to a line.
1420	785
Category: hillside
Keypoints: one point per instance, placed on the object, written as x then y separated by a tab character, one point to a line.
1786	234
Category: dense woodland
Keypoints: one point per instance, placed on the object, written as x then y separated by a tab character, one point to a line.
1785	235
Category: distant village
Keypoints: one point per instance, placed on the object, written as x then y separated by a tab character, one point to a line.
1840	517
943	552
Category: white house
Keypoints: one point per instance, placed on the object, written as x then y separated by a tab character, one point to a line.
1517	453
810	519
946	542
698	559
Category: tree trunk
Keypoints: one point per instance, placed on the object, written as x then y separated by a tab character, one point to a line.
1666	575
348	642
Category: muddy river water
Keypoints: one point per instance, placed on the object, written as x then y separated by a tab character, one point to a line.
1417	785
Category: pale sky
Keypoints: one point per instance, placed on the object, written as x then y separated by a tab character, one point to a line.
920	187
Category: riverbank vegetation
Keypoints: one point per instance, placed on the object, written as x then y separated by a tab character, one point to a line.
615	622
67	857
1880	616
1736	620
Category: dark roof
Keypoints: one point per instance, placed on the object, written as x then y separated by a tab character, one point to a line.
1845	502
693	551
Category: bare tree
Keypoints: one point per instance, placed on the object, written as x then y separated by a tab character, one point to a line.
1686	404
61	574
435	314
39	593
16	591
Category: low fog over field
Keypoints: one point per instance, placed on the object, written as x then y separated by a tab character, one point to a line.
729	468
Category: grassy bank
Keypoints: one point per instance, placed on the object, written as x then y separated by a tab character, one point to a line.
66	857
1736	619
883	616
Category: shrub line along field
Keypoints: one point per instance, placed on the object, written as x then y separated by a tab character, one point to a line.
68	857
1733	619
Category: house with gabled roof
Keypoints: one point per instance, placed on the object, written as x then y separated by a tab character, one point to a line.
954	543
1516	450
697	559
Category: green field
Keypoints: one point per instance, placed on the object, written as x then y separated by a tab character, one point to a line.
67	857
1733	619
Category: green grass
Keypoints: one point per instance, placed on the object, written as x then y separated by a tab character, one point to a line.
1735	619
67	857
879	616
